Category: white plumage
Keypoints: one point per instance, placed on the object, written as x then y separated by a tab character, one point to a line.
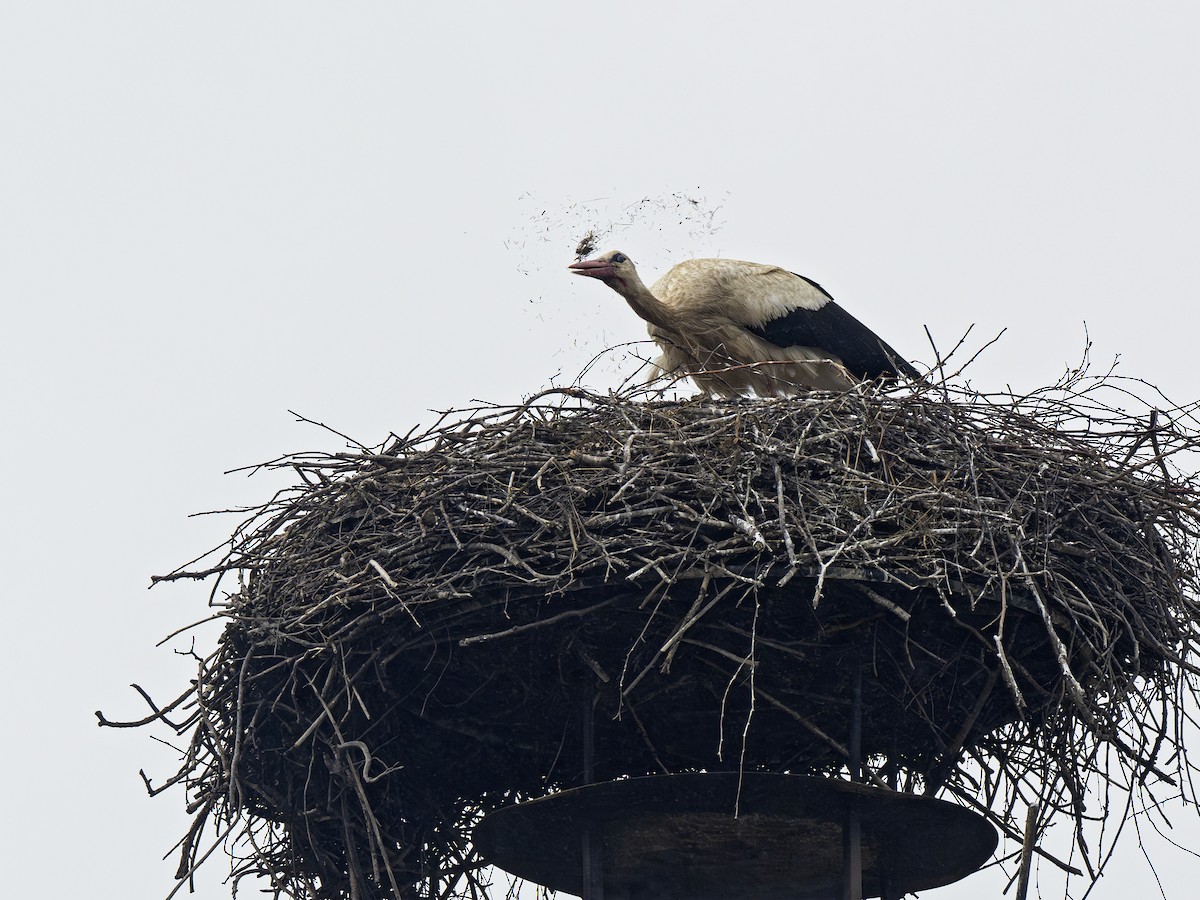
736	327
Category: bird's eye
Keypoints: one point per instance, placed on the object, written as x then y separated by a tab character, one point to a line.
619	258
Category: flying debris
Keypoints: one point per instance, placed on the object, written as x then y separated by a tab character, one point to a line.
586	246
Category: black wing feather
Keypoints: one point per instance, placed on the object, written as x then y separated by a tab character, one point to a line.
864	354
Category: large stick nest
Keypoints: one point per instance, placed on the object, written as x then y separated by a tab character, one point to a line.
418	628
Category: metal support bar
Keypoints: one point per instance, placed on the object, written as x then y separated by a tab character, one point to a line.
887	890
852	888
592	856
588	719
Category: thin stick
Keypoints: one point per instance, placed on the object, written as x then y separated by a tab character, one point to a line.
1027	846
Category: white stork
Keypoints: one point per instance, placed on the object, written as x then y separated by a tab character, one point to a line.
736	326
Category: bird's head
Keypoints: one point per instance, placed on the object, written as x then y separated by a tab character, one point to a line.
614	268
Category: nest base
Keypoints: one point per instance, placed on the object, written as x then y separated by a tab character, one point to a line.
718	835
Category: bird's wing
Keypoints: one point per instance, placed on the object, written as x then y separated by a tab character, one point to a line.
744	292
829	327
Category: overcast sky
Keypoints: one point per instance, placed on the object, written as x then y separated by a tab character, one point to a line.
212	213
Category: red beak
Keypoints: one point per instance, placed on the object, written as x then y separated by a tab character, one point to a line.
593	268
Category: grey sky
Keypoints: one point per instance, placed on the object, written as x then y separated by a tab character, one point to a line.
211	213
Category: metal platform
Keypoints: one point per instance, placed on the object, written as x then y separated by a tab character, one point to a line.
677	836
